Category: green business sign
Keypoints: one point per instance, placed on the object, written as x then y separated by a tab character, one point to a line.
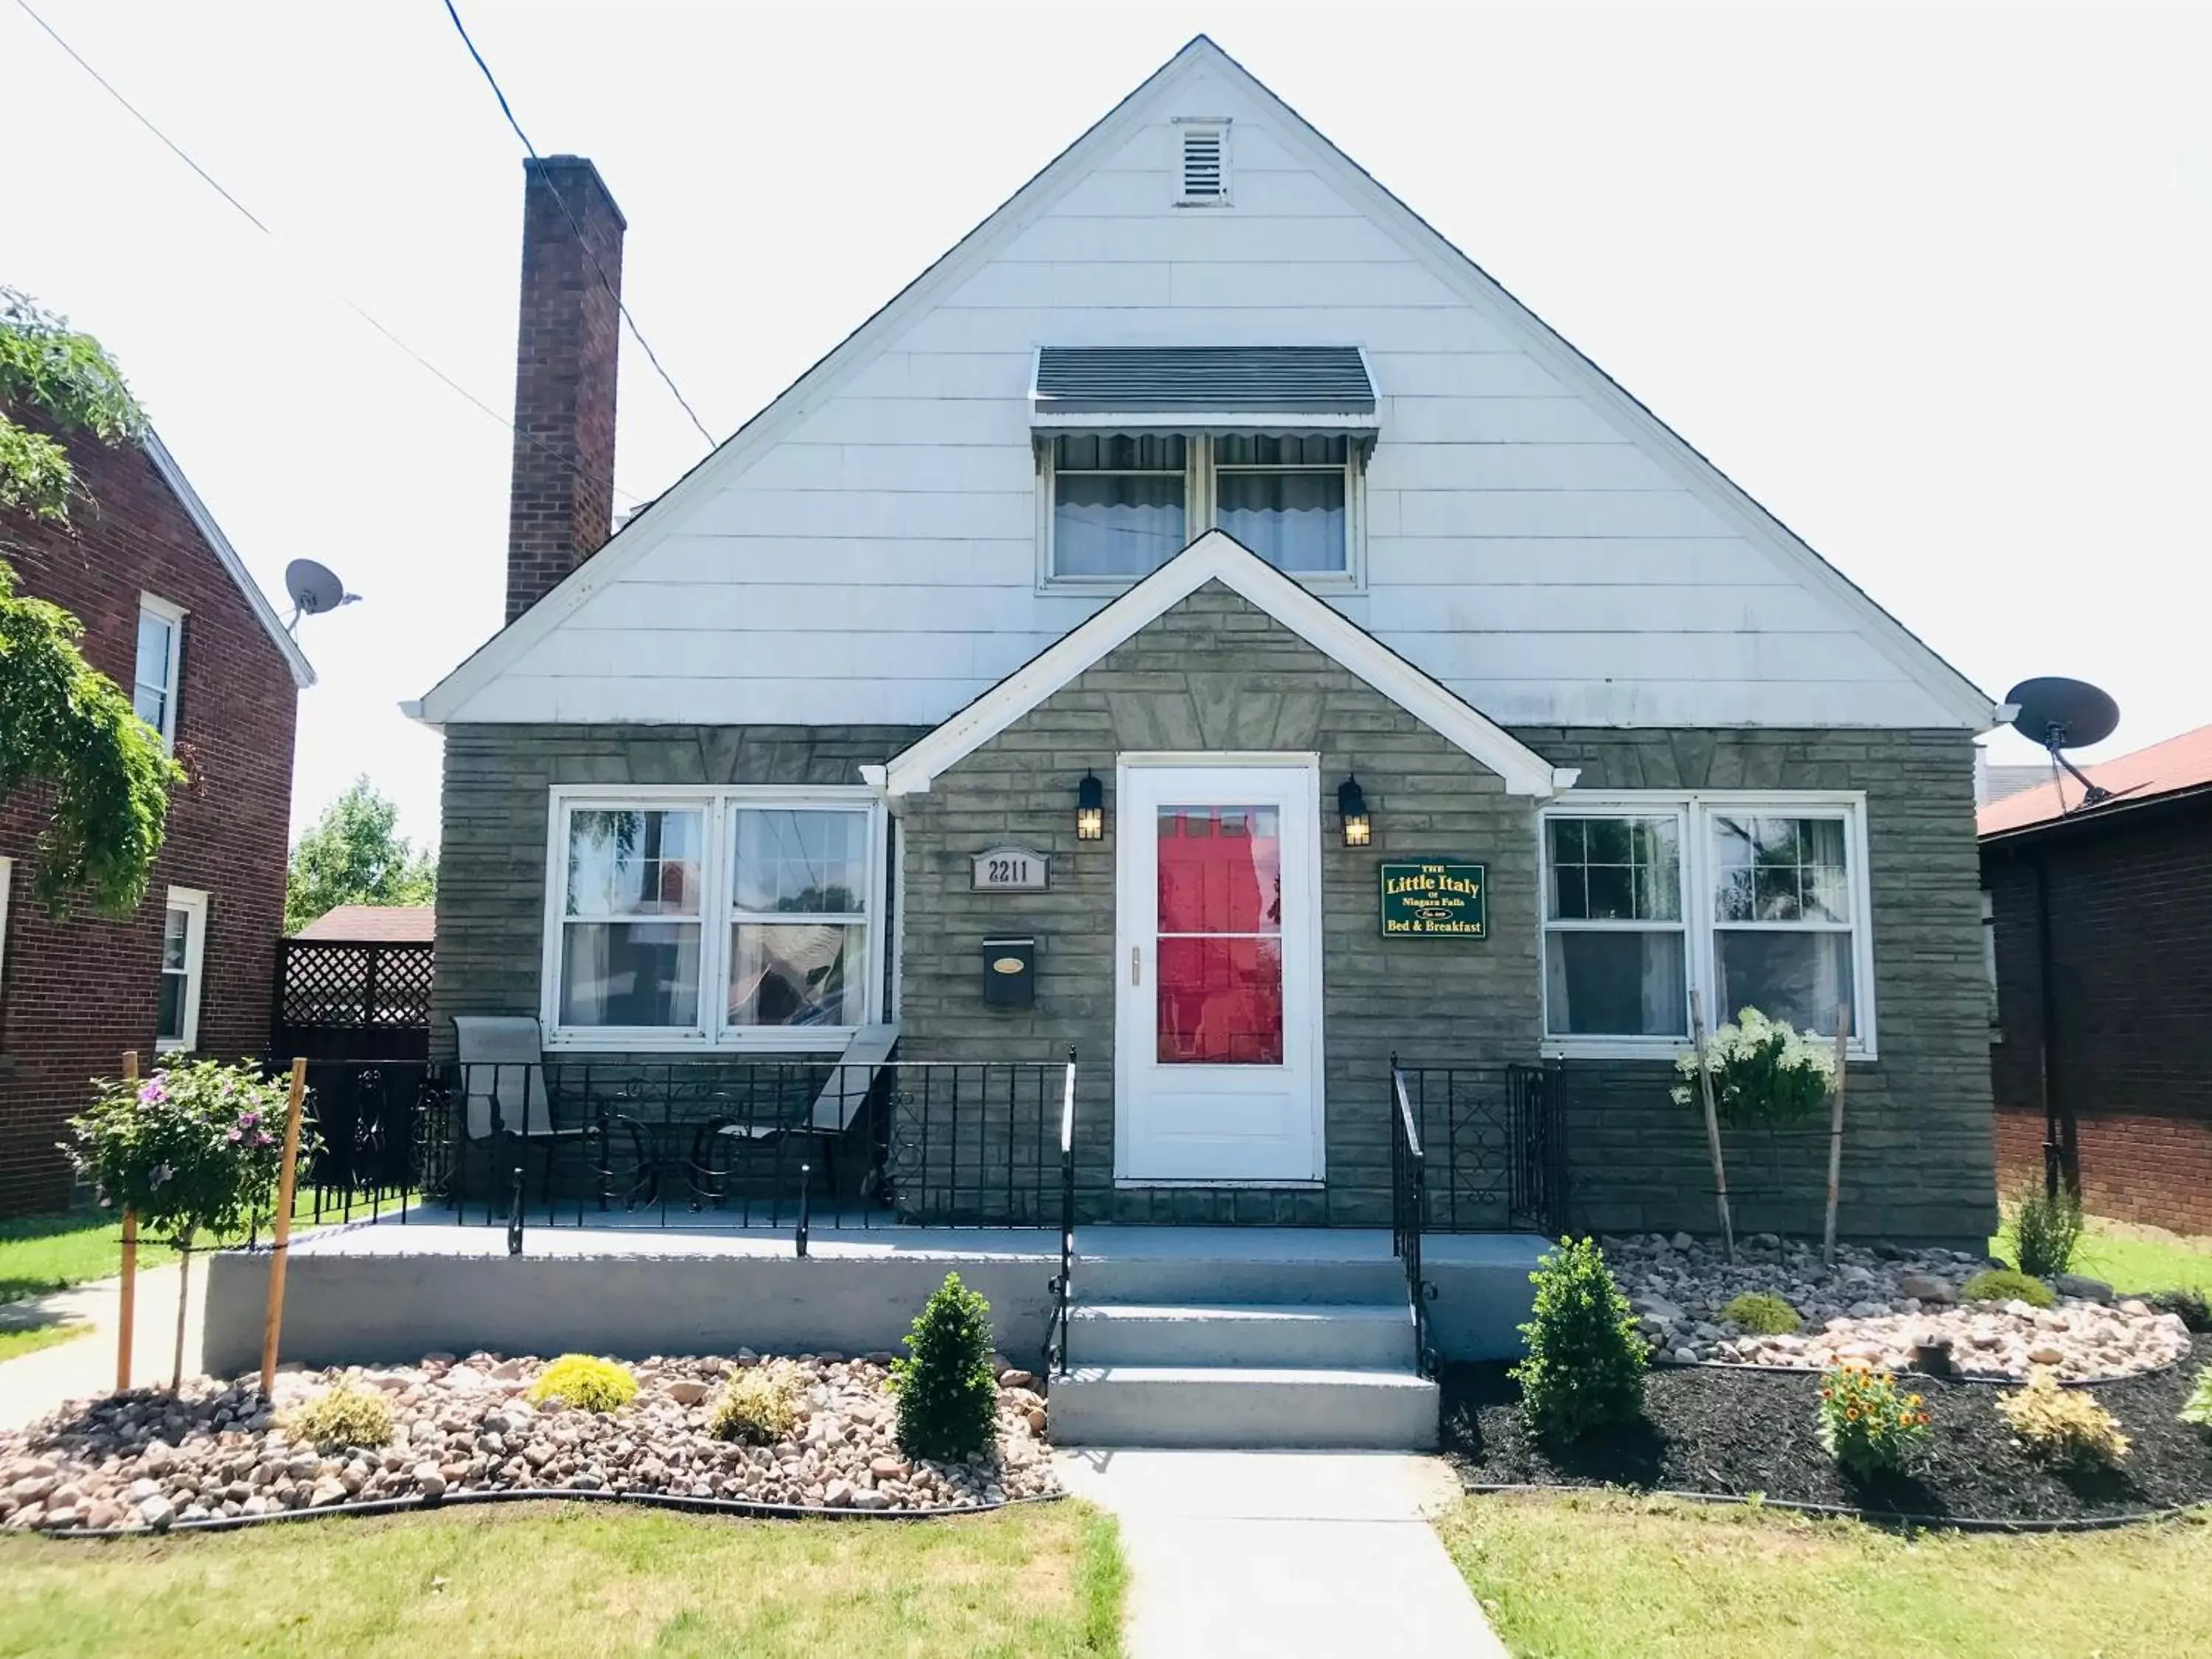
1434	898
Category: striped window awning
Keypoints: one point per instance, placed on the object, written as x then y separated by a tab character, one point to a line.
1204	388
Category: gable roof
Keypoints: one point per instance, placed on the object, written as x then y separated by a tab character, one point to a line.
2178	765
303	673
373	924
1952	690
1219	556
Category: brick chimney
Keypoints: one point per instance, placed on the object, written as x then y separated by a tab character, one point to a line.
560	509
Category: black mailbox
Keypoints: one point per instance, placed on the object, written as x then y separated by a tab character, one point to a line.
1010	972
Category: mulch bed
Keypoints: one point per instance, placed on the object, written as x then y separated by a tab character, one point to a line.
1733	1432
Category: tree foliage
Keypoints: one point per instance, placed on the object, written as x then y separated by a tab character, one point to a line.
355	855
43	361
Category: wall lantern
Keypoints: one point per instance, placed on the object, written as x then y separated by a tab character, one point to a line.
1089	809
1351	807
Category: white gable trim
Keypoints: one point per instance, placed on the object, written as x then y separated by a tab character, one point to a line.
303	675
448	700
1219	556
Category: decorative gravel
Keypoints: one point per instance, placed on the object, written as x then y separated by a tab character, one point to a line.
148	1460
1733	1432
1887	1306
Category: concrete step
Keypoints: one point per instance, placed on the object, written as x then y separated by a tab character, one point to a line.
1244	1408
1357	1336
1180	1281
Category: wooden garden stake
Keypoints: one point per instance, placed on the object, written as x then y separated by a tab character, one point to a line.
1835	1134
281	1231
126	1312
1712	1124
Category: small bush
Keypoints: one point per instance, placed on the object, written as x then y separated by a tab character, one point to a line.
2045	1229
1584	1366
2064	1427
2192	1307
1866	1424
754	1406
341	1417
588	1384
1762	1313
2003	1285
948	1396
2197	1408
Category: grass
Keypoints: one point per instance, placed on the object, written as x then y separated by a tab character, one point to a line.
15	1344
2133	1259
41	1254
1592	1577
554	1581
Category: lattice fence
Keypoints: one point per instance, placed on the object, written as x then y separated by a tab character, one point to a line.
340	999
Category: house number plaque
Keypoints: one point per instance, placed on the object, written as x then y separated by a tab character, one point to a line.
1010	870
1434	898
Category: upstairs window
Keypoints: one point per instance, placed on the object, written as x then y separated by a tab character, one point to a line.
1205	155
1120	505
160	662
1285	498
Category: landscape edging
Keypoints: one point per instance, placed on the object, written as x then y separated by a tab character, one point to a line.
1849	1512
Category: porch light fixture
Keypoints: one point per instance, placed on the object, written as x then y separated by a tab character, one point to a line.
1351	807
1089	809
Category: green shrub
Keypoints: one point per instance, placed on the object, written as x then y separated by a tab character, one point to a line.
2003	1285
2064	1427
755	1407
586	1382
2197	1408
2192	1307
1762	1313
1865	1424
341	1417
948	1396
1766	1074
2045	1229
1585	1365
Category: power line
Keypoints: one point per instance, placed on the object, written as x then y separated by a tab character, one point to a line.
253	219
605	282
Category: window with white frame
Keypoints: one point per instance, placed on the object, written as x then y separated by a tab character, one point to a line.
7	878
184	951
159	665
1122	505
1758	902
745	917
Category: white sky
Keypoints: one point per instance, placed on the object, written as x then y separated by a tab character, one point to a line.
1929	281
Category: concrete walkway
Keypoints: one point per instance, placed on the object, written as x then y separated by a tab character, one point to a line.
34	1384
1284	1553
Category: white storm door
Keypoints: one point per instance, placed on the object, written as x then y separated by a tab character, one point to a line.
1216	1038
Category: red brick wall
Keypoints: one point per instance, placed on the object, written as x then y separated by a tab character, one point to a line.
2129	1048
75	994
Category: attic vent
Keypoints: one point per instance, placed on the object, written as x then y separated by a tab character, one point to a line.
1205	162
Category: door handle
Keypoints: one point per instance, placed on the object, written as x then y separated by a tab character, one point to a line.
1136	965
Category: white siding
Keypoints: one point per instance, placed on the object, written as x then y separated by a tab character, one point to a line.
879	563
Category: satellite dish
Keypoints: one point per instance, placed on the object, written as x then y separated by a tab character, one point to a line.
315	589
2059	714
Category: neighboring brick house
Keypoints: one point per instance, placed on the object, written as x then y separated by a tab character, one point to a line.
1202	492
2101	925
171	615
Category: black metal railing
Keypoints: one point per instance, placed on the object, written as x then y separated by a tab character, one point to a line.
1055	1347
1494	1146
1409	1213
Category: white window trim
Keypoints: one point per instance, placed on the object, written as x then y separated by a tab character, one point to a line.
1695	810
194	903
1220	125
712	1032
7	887
1199	497
174	615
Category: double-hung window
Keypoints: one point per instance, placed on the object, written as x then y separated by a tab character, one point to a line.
1122	505
159	665
1753	901
183	952
745	917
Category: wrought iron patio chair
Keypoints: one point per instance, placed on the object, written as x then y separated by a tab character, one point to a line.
508	1093
722	1141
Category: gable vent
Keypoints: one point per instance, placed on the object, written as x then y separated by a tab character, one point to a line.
1205	162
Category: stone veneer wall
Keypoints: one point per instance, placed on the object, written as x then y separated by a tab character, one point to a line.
1215	672
1918	1158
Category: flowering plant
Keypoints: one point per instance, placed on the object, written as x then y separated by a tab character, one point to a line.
1866	1424
1766	1074
194	1147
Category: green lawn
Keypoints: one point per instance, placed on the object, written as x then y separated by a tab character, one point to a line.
1601	1576
15	1343
561	1583
2133	1259
39	1253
